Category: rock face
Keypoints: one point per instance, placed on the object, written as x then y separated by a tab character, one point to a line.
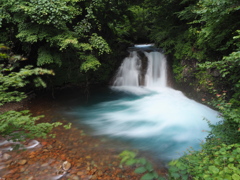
143	70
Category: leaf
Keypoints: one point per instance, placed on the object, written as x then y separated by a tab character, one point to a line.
142	161
149	167
148	176
131	162
91	62
140	170
185	177
175	175
127	153
173	169
125	158
214	169
235	177
155	174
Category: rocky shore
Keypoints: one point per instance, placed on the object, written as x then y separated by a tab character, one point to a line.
72	155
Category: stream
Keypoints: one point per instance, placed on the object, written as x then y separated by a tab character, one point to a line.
137	112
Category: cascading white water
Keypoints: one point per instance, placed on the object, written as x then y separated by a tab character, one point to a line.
156	73
153	117
128	73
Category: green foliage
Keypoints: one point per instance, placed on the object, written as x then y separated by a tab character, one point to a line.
178	71
219	156
57	13
47	57
207	31
216	16
16	80
90	62
228	67
217	162
204	80
227	130
18	126
140	21
56	31
99	43
143	166
68	126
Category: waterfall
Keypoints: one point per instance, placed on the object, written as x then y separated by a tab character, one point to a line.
129	73
157	71
142	110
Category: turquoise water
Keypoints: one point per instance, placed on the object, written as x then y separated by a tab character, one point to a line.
161	121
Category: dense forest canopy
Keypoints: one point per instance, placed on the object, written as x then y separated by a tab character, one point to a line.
82	41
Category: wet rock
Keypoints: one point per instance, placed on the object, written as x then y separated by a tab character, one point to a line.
66	165
32	154
63	157
99	173
44	143
30	178
74	177
6	156
92	171
2	167
94	177
16	176
88	157
22	169
49	147
60	172
88	168
22	162
80	173
44	165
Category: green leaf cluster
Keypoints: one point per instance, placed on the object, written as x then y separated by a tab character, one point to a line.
216	162
11	79
19	126
14	125
142	165
203	31
53	32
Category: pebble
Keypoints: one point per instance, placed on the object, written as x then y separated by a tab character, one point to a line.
44	143
6	156
30	178
80	173
99	173
22	162
94	177
66	165
74	177
49	147
66	158
45	164
22	169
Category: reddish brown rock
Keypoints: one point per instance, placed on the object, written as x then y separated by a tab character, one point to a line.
44	143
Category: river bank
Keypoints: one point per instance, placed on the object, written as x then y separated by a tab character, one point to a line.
73	154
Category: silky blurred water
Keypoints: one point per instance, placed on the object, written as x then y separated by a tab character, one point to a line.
162	121
153	117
